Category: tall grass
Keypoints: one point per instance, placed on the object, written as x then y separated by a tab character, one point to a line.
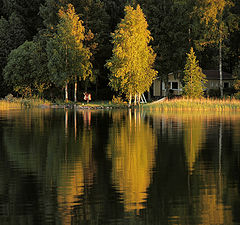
6	105
22	103
197	104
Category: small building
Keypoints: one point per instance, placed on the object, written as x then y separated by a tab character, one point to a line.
213	79
175	83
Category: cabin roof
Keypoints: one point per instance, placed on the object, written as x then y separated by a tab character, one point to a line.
214	75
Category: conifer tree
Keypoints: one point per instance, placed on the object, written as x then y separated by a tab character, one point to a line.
169	22
131	64
194	79
69	59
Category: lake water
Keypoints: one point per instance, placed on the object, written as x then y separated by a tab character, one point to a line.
119	167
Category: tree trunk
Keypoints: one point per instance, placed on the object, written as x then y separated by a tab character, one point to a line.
139	98
66	92
66	86
167	87
220	66
75	91
161	88
135	99
130	100
149	94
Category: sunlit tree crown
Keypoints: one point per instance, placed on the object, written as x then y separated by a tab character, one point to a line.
194	79
132	60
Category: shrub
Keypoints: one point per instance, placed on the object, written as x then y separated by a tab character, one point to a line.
214	93
237	95
117	100
9	98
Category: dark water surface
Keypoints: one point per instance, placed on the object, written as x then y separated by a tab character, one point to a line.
119	167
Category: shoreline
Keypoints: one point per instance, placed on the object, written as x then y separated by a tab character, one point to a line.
44	104
166	105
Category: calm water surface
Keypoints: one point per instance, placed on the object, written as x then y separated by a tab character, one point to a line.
119	167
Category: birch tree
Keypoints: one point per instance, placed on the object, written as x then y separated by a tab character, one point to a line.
131	64
212	13
69	59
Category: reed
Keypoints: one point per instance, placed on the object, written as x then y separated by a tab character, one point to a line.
6	105
22	103
198	104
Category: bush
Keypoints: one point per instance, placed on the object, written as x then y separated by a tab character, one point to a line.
9	98
214	93
237	95
229	91
117	100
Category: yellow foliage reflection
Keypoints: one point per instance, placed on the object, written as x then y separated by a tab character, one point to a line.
194	135
131	148
71	185
211	209
76	172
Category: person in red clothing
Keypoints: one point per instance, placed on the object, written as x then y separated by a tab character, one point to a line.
87	96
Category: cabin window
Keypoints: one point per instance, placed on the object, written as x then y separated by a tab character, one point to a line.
226	85
175	85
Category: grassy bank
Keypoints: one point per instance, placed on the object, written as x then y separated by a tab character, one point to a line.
19	103
167	105
197	104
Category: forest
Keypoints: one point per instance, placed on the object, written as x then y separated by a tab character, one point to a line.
32	61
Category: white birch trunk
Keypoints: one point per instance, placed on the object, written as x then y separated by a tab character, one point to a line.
130	100
66	92
220	67
139	98
75	91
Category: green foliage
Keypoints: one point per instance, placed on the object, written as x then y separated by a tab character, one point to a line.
115	9
131	64
175	26
68	57
48	12
236	74
236	83
96	21
217	20
12	34
170	26
23	70
194	79
237	95
26	10
214	93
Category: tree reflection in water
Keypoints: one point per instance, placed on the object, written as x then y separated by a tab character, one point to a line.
124	167
131	149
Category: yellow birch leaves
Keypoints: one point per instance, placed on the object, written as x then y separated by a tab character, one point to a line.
131	64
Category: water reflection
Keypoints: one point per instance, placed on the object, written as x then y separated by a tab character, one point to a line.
204	193
57	158
194	137
119	167
131	149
